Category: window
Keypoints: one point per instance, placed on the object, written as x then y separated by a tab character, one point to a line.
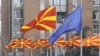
96	17
94	14
19	13
51	2
18	1
60	16
21	1
96	2
74	3
96	22
60	5
96	26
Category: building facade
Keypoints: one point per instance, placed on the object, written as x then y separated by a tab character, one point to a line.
15	13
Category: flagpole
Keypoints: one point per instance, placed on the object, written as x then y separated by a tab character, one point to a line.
52	3
42	6
47	52
31	52
63	51
57	25
81	50
51	51
42	33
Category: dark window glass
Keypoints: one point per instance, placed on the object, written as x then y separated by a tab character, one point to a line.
93	2
21	1
19	13
60	16
95	26
94	14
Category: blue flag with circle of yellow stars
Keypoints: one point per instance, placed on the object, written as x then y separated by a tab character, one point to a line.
73	22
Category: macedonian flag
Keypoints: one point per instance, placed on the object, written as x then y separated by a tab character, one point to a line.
61	42
39	43
45	20
91	41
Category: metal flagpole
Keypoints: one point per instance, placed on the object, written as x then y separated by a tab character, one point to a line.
51	3
50	32
47	52
42	6
81	50
57	25
56	48
42	33
63	51
51	51
62	48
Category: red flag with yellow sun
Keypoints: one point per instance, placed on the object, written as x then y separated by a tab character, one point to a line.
39	43
19	43
61	42
91	41
45	20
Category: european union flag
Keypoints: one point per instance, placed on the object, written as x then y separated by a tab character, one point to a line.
73	22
